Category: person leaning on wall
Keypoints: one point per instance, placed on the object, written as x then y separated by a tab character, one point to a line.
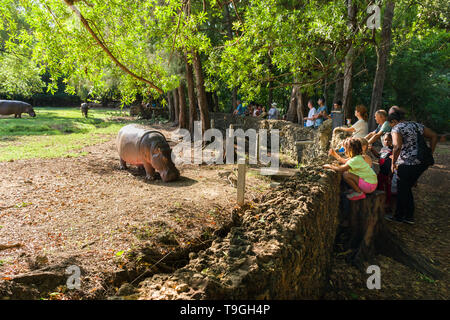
361	128
382	128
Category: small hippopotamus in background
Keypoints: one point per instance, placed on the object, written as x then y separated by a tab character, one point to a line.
148	149
84	109
16	108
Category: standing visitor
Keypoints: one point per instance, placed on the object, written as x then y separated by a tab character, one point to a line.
274	114
337	115
321	113
411	156
310	118
240	110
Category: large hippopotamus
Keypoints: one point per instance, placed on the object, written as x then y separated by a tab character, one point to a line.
16	108
148	149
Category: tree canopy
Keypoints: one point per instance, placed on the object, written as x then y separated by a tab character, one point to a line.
124	49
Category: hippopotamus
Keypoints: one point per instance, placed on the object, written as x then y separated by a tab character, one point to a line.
148	149
84	109
16	108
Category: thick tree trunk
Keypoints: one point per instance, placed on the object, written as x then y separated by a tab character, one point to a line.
382	58
348	68
291	114
201	93
301	105
338	87
368	235
191	96
176	107
182	120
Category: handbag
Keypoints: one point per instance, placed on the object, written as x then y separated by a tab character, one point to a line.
424	153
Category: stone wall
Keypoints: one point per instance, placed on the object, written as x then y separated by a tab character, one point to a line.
290	134
279	249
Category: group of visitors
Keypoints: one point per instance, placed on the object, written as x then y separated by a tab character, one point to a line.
316	116
403	158
257	110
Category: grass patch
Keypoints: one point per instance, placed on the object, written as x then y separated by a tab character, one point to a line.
56	132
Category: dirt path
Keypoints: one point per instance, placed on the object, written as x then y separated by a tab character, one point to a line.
430	236
89	209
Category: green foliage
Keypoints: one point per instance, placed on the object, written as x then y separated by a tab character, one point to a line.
419	78
19	75
261	47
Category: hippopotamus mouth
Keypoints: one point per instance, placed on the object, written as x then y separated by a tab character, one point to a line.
170	175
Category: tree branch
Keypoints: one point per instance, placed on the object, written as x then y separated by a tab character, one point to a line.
105	49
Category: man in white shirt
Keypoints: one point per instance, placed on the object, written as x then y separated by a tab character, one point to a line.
310	119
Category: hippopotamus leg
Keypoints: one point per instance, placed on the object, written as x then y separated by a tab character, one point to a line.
149	171
123	165
141	169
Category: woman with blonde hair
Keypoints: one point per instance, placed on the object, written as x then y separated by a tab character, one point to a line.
360	129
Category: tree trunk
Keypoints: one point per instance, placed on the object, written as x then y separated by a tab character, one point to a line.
209	99
170	106
348	68
191	96
216	101
382	58
301	98
201	93
368	235
182	120
291	114
338	87
270	95
176	107
229	25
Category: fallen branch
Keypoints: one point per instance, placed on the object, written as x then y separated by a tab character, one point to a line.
10	246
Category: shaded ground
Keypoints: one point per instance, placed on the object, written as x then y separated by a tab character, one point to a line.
88	209
430	236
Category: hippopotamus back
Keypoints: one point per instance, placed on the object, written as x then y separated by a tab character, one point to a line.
147	148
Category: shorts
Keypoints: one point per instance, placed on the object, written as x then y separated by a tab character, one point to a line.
366	187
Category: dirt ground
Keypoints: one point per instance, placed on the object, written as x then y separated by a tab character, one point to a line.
429	236
87	208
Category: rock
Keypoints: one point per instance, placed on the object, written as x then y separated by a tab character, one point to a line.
126	289
192	255
182	288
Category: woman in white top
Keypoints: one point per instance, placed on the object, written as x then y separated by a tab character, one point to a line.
361	128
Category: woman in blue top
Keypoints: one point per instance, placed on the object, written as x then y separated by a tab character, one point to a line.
321	112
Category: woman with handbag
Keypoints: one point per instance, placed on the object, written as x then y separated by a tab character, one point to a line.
411	156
